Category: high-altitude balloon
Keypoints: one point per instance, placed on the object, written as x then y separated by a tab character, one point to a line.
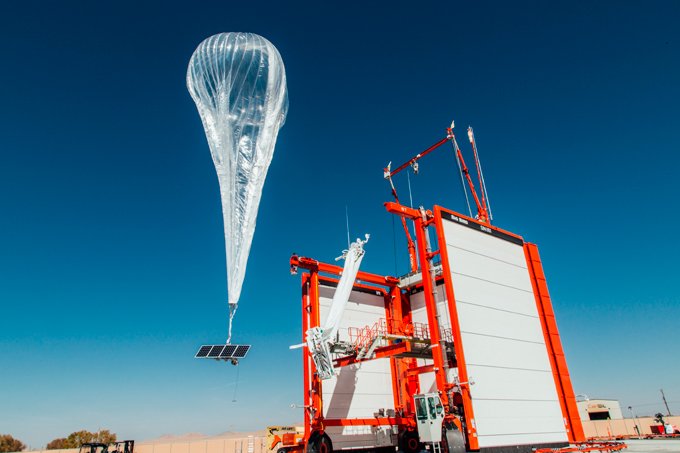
238	83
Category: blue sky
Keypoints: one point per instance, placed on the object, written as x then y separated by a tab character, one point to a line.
112	266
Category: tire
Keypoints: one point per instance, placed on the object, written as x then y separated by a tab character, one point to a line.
319	443
409	442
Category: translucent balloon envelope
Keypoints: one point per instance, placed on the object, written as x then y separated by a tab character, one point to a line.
238	83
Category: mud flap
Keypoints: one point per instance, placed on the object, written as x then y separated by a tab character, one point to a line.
455	440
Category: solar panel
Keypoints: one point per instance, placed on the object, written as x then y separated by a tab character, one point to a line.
241	351
222	352
203	352
216	350
228	351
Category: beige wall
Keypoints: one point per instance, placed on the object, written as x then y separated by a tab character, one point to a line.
236	445
625	427
588	406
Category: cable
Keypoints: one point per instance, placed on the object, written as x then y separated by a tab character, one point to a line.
410	194
233	399
454	144
347	221
473	141
394	245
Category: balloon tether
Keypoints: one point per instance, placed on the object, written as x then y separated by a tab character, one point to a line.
232	311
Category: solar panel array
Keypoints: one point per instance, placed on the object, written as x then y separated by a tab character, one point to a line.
221	351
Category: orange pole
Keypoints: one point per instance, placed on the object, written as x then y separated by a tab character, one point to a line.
306	359
316	395
318	266
471	427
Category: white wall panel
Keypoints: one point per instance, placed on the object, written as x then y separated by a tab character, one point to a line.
358	391
514	396
489	270
533	438
501	323
469	239
500	352
495	383
419	314
354	437
480	292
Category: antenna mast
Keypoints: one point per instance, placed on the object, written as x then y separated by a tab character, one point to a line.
663	396
480	173
482	211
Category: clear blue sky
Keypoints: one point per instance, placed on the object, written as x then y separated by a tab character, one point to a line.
112	255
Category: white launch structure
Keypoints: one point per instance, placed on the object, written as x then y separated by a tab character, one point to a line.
462	353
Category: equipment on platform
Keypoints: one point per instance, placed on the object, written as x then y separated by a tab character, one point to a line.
461	354
124	446
238	83
281	437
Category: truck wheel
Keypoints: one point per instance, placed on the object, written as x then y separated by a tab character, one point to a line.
319	443
409	442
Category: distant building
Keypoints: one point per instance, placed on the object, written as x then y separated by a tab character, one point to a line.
599	410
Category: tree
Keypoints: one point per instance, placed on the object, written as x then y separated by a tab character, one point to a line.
9	443
78	438
57	444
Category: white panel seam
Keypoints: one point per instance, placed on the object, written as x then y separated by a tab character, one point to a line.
510	367
486	256
542	343
492	282
518	399
461	301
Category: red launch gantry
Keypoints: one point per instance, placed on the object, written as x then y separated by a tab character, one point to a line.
461	354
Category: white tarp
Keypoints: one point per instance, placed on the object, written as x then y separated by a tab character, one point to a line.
352	258
318	338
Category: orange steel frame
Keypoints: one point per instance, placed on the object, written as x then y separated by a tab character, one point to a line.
314	420
554	344
397	307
